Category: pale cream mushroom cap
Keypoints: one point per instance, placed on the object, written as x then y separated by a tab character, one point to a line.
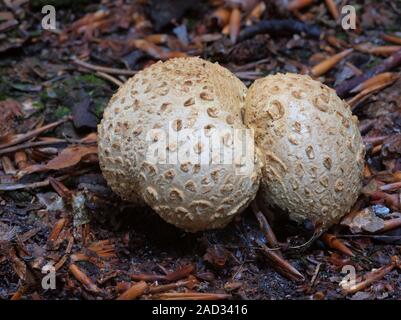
170	97
313	151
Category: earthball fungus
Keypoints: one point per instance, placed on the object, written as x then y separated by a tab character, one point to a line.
173	137
313	151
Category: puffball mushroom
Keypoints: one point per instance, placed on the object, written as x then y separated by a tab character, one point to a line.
313	150
153	108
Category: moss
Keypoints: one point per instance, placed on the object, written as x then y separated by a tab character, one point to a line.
62	111
38	105
90	79
99	108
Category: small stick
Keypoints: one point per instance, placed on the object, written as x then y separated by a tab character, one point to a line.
366	92
372	277
332	7
84	279
248	75
171	286
280	264
280	26
265	226
58	227
31	145
19	293
344	88
39	184
332	242
391	200
64	258
391	224
375	140
60	188
315	274
104	249
180	273
377	50
192	296
234	24
385	77
353	102
392	39
299	4
377	149
103	69
134	292
8	166
391	186
110	78
147	277
324	66
34	133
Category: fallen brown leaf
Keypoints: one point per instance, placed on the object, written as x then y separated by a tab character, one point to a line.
68	157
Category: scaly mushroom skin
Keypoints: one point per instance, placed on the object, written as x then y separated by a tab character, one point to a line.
182	93
313	151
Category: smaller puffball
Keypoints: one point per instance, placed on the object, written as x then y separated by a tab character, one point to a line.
312	149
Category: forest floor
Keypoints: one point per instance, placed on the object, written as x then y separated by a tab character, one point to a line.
56	208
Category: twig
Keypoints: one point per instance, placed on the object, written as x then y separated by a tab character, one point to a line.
368	91
61	189
391	224
31	145
280	26
375	140
39	184
34	133
377	50
332	242
299	4
171	286
265	226
235	24
192	296
54	234
84	279
332	7
134	292
392	39
182	272
248	75
391	186
280	264
385	77
372	277
344	88
315	274
103	69
110	78
148	277
324	66
20	292
371	236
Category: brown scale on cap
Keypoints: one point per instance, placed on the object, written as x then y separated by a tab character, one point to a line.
183	93
313	151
